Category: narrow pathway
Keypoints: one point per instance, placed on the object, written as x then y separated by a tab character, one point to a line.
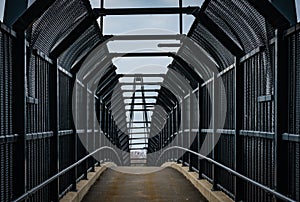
165	185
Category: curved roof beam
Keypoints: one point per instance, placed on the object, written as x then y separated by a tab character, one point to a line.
64	43
212	27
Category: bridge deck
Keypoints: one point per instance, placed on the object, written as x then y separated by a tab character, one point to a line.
163	185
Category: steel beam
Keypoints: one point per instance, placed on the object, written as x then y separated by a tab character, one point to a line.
222	36
142	54
141	84
145	37
145	90
146	11
143	75
64	43
238	125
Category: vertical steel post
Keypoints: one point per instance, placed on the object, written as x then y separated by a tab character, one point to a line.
215	111
93	127
55	128
19	113
102	17
190	129
238	124
182	128
85	105
73	105
281	113
177	130
200	95
180	17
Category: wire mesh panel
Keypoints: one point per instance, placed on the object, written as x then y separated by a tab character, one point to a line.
7	148
294	114
38	95
206	127
38	166
81	151
56	23
38	125
241	21
209	43
65	102
258	125
225	147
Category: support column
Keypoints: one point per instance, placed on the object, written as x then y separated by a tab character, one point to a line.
190	129
19	113
238	124
73	106
55	128
281	114
215	111
200	161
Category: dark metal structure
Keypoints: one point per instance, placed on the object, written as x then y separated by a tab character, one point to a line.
256	49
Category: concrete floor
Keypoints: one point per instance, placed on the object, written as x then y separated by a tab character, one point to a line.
164	185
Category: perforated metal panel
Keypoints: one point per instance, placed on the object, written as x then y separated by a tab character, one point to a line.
294	113
209	43
80	47
7	148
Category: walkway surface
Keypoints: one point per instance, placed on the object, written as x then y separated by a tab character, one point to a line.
161	185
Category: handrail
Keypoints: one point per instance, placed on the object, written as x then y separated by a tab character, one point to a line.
48	181
231	171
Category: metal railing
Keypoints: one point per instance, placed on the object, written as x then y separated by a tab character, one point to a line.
48	181
231	171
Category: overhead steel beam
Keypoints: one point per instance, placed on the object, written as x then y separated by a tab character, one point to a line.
144	37
138	121
142	54
139	110
145	90
139	138
146	97
138	104
146	11
143	75
169	45
141	84
31	14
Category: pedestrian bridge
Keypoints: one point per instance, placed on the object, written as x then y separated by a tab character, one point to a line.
149	100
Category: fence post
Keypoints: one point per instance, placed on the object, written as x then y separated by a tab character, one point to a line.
238	124
55	127
190	129
200	95
182	128
281	112
215	111
85	104
19	113
73	104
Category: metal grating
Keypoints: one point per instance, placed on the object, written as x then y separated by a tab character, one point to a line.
211	45
7	149
84	43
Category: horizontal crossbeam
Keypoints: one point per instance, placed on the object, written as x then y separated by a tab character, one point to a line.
146	11
145	37
147	54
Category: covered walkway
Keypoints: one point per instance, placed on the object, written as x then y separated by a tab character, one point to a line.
219	94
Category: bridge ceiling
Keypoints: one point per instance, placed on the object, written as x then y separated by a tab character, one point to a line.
68	31
243	22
